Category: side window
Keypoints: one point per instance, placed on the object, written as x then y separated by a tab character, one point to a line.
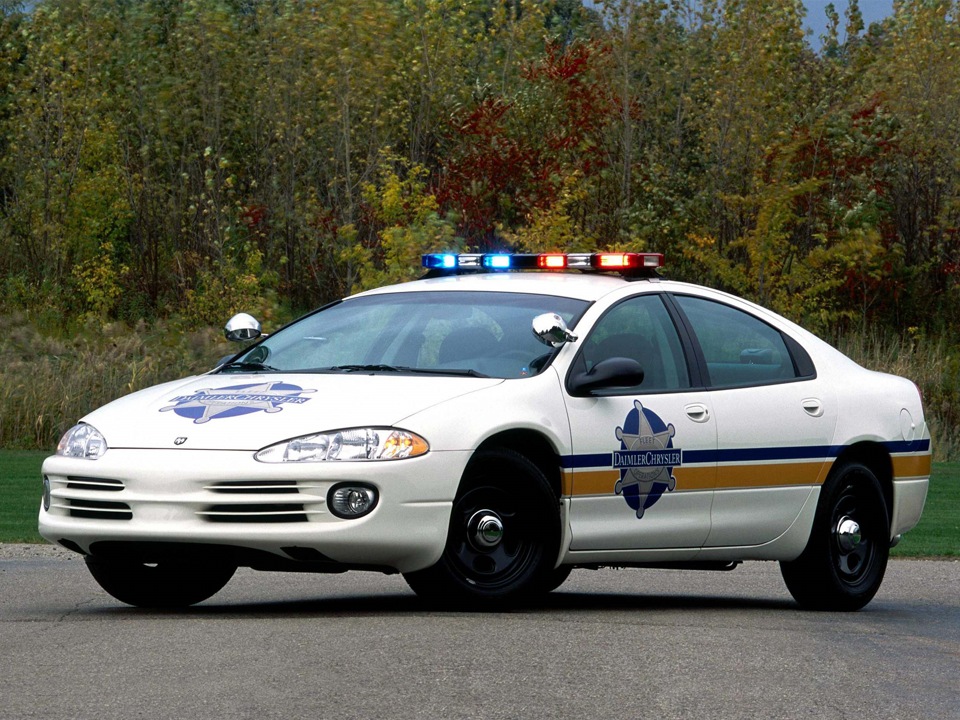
738	348
640	328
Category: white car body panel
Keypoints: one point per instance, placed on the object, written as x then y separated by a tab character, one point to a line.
167	489
748	489
280	407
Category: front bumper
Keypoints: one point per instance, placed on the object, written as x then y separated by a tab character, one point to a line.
147	498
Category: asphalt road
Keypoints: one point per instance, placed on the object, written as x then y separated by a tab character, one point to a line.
608	644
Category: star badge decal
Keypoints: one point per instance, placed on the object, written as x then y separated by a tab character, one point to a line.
205	405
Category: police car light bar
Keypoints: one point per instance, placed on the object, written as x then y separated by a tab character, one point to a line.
616	262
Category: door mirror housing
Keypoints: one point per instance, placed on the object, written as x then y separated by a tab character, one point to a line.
610	373
242	327
551	330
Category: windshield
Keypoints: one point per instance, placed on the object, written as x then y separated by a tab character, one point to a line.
457	333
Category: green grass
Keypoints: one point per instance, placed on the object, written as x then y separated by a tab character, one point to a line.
937	535
22	490
938	532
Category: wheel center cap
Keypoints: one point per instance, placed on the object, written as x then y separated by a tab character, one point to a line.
848	534
485	529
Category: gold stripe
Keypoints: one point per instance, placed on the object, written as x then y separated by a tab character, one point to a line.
725	477
602	482
695	478
911	466
590	482
771	475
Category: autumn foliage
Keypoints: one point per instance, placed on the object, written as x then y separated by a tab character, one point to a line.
188	158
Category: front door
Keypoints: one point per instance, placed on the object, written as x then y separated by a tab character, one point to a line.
643	470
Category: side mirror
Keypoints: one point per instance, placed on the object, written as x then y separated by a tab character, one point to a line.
551	330
609	373
242	327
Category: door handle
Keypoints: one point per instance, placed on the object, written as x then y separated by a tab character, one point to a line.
812	407
697	412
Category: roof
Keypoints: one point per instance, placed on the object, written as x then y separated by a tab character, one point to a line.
582	286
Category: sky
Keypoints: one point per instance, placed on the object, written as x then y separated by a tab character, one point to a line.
872	10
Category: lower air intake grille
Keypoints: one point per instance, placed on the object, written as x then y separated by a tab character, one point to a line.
90	483
99	510
259	513
251	487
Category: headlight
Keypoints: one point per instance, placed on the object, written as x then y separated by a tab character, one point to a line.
82	441
375	443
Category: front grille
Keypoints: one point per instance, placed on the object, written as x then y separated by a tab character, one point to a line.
267	506
253	487
247	501
96	484
83	506
256	513
98	509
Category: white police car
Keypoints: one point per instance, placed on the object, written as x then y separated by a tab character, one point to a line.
485	430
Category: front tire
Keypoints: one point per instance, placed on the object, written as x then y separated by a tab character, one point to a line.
159	585
846	557
503	538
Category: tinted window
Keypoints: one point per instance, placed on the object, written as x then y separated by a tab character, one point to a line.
640	329
738	348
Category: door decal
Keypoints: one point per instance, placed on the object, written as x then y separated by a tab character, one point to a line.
646	458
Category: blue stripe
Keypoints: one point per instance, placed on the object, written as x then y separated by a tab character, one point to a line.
805	452
571	462
908	447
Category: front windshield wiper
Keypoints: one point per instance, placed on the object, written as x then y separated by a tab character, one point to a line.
362	368
248	366
466	372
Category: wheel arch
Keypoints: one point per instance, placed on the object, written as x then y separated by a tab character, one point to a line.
876	457
532	445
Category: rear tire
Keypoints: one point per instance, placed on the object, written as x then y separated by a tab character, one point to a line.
846	557
503	539
159	585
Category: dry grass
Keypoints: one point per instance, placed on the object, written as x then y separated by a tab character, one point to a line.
47	382
932	363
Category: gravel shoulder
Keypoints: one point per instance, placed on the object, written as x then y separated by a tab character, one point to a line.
26	551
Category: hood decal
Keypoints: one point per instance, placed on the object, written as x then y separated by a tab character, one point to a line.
205	405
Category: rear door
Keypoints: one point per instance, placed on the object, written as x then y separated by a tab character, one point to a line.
775	421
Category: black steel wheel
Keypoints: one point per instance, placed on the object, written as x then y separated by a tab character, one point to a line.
503	538
556	578
159	585
846	557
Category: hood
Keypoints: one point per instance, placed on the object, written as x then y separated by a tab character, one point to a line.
249	412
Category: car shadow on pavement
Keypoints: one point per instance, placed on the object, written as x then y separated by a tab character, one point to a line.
394	605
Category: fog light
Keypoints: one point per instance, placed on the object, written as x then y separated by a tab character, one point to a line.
46	493
351	501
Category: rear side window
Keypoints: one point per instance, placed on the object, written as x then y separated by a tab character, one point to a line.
738	348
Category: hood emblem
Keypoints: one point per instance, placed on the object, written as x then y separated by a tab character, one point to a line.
179	441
